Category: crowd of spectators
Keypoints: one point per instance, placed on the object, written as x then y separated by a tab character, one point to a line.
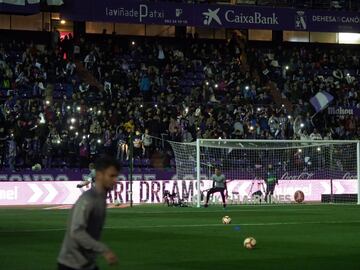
162	89
300	72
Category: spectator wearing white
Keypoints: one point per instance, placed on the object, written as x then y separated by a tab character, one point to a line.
70	68
89	60
238	128
298	125
303	135
208	71
161	53
83	87
107	88
274	125
315	135
328	136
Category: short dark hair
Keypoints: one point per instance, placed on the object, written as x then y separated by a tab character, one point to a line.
106	162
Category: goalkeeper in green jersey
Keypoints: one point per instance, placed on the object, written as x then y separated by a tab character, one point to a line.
271	180
219	185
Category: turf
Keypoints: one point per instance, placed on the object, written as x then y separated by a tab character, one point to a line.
161	238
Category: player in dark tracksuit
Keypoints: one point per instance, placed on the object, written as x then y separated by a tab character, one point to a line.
219	185
81	243
271	181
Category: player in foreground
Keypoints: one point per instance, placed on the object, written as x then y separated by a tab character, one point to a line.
81	244
90	178
219	185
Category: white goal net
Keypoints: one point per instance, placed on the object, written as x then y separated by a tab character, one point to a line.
322	171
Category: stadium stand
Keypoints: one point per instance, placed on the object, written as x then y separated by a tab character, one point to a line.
163	89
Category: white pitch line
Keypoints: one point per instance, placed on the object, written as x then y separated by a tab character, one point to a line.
233	208
212	211
244	224
196	225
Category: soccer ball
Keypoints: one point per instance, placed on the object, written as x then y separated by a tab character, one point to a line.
299	196
250	243
226	220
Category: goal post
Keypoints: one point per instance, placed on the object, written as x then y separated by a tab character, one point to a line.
324	170
198	172
358	170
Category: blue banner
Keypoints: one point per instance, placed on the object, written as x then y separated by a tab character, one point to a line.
213	16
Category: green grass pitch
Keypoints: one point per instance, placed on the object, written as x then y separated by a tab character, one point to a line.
161	238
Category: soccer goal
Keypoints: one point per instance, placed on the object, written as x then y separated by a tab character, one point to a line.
301	171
